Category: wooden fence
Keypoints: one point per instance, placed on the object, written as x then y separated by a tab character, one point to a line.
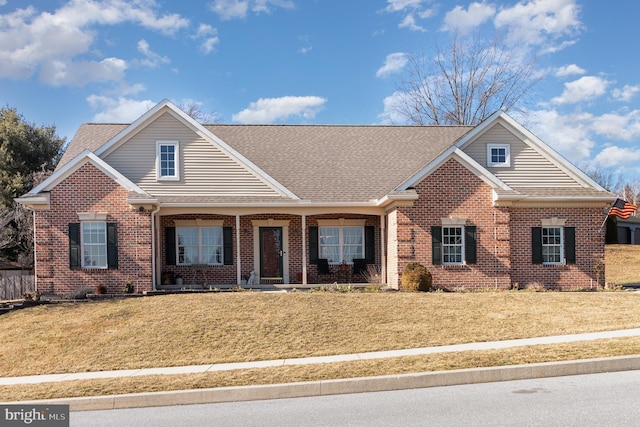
15	286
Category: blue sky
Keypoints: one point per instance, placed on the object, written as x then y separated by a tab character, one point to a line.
67	62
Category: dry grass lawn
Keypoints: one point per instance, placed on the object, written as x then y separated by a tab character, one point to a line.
231	327
234	327
623	264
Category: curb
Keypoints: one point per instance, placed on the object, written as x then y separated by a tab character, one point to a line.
344	386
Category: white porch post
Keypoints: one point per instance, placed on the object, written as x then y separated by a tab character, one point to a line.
383	257
238	258
304	249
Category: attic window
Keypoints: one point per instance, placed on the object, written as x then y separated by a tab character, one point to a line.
167	160
498	155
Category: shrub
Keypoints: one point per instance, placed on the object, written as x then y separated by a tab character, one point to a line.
128	287
416	277
101	289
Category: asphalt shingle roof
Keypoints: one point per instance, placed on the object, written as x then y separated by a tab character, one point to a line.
322	163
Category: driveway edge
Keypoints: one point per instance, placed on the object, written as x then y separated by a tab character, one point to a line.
344	386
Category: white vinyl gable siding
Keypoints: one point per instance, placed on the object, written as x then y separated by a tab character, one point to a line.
204	170
528	168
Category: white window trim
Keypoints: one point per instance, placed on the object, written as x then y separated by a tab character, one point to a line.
341	223
462	237
83	262
199	227
506	163
176	176
562	259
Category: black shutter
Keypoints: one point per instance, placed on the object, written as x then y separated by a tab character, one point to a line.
170	245
570	244
470	244
536	245
227	243
436	245
313	245
370	244
112	245
74	246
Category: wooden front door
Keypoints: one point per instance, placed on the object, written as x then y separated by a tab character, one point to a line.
271	252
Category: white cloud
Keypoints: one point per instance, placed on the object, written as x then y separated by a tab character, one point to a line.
569	134
409	22
49	43
390	114
262	6
208	36
230	9
465	20
270	110
120	110
394	63
152	59
60	73
538	22
614	156
569	70
621	127
410	8
626	93
575	134
585	88
401	5
238	9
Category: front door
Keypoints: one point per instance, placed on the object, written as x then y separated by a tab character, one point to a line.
271	252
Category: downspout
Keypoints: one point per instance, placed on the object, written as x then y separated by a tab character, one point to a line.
153	247
35	257
304	249
383	256
238	258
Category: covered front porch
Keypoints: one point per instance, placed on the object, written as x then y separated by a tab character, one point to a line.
203	249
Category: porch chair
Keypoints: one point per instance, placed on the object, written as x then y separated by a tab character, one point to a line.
323	268
359	266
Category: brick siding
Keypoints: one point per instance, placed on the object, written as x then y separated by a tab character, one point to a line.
504	257
90	190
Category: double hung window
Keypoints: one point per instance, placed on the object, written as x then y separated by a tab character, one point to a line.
94	244
452	245
453	242
341	243
199	245
167	160
552	245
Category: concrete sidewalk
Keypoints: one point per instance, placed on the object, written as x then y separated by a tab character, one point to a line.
181	370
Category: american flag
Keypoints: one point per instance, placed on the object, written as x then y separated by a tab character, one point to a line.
622	209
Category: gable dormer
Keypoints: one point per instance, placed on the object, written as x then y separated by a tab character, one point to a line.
518	158
167	153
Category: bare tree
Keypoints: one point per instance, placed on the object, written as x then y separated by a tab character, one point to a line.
629	191
605	177
16	225
195	112
465	83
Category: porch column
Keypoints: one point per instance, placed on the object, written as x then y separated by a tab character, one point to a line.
304	249
238	258
383	256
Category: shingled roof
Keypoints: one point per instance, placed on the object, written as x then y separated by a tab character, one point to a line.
321	163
